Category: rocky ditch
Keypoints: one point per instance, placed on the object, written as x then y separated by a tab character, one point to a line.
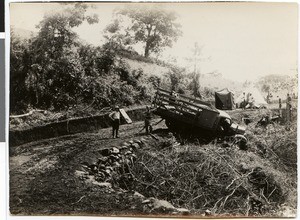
112	173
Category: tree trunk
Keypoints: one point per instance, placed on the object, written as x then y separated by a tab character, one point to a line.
147	49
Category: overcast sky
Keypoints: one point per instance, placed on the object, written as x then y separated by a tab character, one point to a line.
240	40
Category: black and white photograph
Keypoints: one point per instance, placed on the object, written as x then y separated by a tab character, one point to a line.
162	109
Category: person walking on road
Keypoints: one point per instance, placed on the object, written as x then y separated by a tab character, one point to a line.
115	118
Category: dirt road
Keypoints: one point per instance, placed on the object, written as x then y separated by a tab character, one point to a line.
42	179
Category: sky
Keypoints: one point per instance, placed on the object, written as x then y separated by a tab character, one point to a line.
243	41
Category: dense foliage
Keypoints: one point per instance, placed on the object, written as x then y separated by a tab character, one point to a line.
55	70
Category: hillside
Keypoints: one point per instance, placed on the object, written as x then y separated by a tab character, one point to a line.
211	81
150	69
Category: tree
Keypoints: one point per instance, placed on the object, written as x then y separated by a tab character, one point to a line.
56	71
176	76
19	66
195	85
195	59
155	27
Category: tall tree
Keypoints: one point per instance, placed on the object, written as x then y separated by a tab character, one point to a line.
155	27
56	71
19	66
194	60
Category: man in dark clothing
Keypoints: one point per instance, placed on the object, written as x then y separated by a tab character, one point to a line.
115	117
289	107
148	117
280	106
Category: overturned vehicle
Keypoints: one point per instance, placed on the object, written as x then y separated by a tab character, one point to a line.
188	115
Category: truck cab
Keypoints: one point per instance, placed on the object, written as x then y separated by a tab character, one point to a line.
227	126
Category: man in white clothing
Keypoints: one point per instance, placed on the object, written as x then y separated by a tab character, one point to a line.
115	117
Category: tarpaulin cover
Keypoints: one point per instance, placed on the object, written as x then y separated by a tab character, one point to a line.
224	99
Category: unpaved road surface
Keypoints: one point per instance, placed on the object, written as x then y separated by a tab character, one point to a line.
43	180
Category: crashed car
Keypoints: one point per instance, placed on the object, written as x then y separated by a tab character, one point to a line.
189	115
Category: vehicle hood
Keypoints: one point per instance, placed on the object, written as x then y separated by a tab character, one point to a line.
224	114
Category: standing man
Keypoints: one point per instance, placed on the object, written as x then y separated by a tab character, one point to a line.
244	100
148	117
115	118
280	106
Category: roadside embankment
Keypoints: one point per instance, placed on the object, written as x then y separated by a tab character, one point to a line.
70	126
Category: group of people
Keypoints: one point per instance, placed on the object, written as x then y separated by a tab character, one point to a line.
115	117
248	101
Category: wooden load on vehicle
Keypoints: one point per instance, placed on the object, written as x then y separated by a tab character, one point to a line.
192	115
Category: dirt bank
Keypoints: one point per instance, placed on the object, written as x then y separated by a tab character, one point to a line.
67	127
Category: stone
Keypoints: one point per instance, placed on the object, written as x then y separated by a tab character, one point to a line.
104	184
101	167
123	148
161	206
138	142
207	212
113	157
146	201
105	152
102	160
138	195
131	142
133	156
128	152
183	210
94	168
135	146
125	144
108	172
115	150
